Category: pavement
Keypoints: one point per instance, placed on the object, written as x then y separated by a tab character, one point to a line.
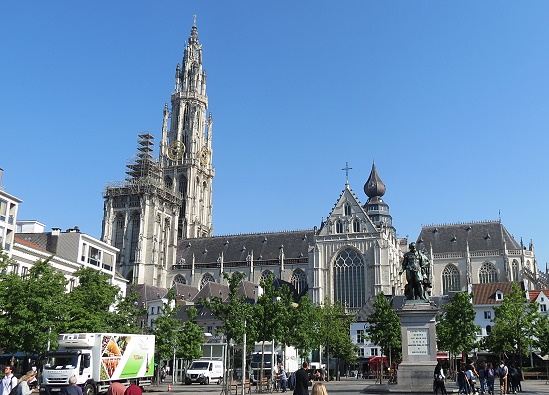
344	386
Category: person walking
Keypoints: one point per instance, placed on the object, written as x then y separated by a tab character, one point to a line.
282	377
24	383
502	373
9	381
73	389
319	389
302	381
490	377
438	386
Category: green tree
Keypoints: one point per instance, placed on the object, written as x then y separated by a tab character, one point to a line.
305	326
457	338
231	312
541	339
90	302
166	329
31	308
191	337
334	332
128	316
384	328
514	324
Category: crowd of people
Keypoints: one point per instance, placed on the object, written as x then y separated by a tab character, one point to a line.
481	381
28	384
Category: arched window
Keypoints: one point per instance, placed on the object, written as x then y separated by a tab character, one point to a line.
206	278
487	273
349	279
515	270
183	185
265	276
356	225
168	182
339	227
450	279
347	208
179	279
488	330
299	280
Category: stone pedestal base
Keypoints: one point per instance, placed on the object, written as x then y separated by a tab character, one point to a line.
416	377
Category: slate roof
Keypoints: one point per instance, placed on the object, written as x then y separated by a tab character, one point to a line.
236	248
481	236
148	292
211	289
64	245
29	244
185	291
486	293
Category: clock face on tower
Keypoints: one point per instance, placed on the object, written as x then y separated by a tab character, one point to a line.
205	156
176	150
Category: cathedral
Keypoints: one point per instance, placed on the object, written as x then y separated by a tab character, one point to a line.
160	218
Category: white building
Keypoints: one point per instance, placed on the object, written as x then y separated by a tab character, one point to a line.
8	215
67	251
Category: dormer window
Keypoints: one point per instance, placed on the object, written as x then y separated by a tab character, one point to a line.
499	295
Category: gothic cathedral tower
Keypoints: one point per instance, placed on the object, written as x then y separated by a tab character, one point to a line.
170	198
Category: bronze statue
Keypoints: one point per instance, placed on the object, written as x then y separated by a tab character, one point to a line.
418	273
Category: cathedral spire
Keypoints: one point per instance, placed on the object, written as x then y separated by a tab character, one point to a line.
374	187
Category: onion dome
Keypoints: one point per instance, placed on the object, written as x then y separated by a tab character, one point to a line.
374	187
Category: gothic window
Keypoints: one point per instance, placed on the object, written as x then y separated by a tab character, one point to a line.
450	279
347	208
179	279
134	201
339	227
299	280
183	185
134	239
515	270
119	233
265	276
487	273
356	225
168	182
349	288
206	278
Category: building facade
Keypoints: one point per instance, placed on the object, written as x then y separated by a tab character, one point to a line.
168	198
463	254
8	216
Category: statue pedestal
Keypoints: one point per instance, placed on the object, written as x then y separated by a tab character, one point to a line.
419	348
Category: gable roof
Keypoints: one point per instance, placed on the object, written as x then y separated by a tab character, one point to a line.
534	294
357	210
486	293
479	236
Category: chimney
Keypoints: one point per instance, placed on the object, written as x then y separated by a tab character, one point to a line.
1	171
55	231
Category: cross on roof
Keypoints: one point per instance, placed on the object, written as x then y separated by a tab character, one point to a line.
347	168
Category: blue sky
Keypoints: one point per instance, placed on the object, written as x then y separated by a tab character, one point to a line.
449	99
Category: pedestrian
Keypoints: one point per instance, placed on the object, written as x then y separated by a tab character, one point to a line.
9	381
514	375
319	389
116	388
302	381
439	380
482	378
490	376
133	390
24	383
463	381
282	377
73	389
502	373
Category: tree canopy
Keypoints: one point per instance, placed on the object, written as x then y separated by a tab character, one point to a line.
384	328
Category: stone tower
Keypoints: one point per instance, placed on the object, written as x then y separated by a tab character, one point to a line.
167	198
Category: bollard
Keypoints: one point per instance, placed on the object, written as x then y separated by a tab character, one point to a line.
169	388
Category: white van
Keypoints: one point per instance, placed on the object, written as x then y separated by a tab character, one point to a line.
204	371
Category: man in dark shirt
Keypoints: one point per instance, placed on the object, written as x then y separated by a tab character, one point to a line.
302	380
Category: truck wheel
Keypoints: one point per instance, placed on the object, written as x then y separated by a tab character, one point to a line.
89	390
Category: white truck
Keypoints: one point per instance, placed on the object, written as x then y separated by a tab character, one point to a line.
204	371
96	360
271	359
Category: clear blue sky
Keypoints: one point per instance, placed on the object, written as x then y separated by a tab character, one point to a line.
450	99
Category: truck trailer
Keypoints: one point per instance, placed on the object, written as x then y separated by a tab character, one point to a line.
96	360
